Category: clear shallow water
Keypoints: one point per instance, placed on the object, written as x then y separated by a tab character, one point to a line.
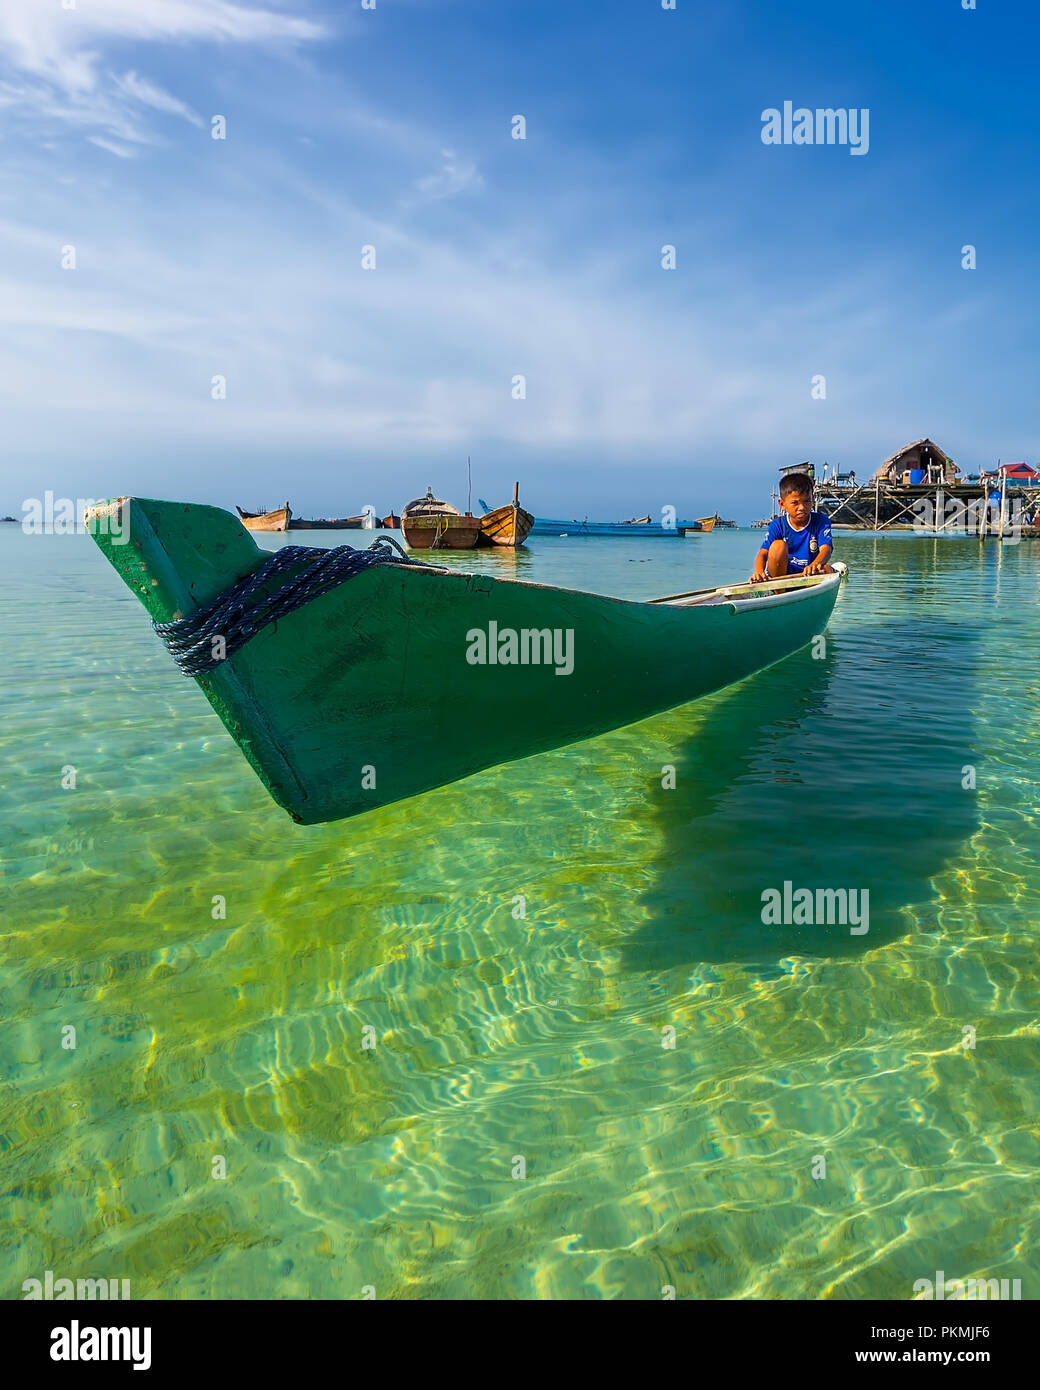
540	1036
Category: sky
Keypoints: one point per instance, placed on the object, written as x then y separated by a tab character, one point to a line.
393	128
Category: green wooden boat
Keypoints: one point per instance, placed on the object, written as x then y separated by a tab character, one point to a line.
410	676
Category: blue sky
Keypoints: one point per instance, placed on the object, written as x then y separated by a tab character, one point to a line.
391	127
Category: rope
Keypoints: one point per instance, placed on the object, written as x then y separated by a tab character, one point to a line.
237	615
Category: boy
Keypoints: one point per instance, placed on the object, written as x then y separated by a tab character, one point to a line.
799	540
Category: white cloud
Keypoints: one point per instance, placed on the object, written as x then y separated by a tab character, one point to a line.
330	371
454	176
52	42
121	150
148	94
61	53
418	354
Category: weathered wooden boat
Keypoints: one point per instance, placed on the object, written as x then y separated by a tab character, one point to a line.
543	526
391	522
707	523
430	524
509	525
342	523
353	678
278	520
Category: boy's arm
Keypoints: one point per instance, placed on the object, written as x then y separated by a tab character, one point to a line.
826	544
820	562
772	534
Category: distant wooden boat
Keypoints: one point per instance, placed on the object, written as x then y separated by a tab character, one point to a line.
430	524
343	523
708	523
266	521
544	526
509	525
337	659
391	522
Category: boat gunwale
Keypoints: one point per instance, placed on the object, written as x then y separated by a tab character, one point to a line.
789	586
801	586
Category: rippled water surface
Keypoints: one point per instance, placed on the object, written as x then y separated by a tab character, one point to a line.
501	1037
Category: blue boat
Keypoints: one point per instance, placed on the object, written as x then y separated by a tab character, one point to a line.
545	527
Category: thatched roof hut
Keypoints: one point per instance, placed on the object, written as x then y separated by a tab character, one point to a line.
920	462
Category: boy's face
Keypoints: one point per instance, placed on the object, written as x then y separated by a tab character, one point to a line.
798	506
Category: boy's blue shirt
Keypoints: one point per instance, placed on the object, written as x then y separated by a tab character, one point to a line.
802	546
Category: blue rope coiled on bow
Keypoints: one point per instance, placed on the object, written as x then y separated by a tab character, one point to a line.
234	617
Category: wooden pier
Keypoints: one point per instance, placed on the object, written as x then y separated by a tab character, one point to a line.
921	489
878	506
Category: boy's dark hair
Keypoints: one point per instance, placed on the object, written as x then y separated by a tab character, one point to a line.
796	482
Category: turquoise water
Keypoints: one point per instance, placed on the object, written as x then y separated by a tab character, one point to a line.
500	1036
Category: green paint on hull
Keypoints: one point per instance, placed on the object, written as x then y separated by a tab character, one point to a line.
375	675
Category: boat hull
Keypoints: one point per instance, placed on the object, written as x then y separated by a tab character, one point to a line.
375	691
279	520
346	523
543	526
507	526
441	532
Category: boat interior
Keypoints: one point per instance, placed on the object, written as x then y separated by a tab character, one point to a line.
772	589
